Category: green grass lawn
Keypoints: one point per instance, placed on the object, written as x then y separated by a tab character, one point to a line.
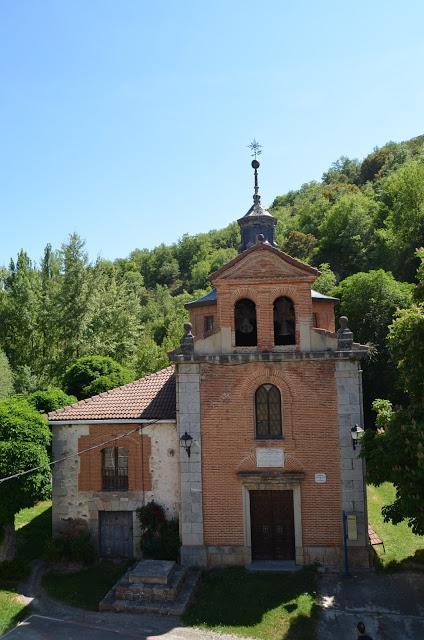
84	588
270	606
400	543
33	531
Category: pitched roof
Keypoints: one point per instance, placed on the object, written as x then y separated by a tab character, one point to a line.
265	246
316	295
150	398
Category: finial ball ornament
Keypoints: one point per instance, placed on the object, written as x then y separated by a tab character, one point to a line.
255	164
343	320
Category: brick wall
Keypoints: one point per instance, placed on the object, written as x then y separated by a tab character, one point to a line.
325	314
311	444
139	449
264	297
197	319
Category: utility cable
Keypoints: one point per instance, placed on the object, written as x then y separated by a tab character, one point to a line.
78	453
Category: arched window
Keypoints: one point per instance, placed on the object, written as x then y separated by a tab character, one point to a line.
268	412
245	323
284	321
115	469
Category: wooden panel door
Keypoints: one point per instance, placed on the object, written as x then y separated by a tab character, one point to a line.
272	523
116	534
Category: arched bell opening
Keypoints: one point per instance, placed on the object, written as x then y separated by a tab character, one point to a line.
284	321
245	323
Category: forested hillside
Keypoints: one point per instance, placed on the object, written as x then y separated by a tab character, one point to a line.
362	222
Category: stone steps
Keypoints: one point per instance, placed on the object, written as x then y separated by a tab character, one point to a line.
169	590
142	591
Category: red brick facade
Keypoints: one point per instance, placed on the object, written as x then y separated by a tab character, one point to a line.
310	441
90	475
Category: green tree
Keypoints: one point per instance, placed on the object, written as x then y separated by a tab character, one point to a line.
300	245
48	314
343	170
24	438
6	376
150	357
347	234
50	399
90	375
326	281
403	195
113	317
370	300
75	292
18	319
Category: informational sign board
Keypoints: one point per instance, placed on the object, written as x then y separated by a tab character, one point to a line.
320	478
269	457
352	529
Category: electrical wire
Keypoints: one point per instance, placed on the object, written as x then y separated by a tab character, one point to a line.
78	453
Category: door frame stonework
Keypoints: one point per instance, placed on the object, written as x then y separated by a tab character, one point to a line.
270	482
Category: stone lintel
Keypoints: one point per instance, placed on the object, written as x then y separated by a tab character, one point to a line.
293	476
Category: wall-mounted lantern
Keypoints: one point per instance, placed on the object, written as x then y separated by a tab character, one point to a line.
356	432
186	442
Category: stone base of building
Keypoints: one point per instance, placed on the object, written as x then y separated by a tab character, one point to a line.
332	558
224	555
193	556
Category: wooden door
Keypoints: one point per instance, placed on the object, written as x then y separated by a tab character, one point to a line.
116	534
272	523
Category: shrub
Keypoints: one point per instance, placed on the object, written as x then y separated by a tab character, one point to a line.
160	538
93	374
49	400
73	545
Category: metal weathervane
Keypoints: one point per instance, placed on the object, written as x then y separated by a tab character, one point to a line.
255	148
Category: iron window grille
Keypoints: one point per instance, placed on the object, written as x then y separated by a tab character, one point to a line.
115	469
268	412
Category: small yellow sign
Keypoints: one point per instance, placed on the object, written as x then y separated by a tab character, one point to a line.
352	529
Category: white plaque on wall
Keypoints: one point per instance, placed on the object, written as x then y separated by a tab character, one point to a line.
320	478
269	457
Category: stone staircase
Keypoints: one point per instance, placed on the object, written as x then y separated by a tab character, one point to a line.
153	586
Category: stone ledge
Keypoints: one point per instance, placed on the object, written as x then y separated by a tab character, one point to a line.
271	356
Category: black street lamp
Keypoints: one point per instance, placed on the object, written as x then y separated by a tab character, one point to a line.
356	432
186	441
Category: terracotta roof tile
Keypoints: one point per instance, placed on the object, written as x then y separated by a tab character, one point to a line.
150	398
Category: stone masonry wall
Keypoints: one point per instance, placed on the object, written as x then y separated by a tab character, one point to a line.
349	396
193	551
153	474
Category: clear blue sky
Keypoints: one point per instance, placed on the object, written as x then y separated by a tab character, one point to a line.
128	121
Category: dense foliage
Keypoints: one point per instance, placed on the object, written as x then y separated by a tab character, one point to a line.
24	439
6	376
396	451
91	375
160	538
50	399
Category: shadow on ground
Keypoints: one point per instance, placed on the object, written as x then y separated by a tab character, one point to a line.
276	606
411	563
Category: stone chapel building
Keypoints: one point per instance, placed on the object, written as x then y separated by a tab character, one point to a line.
246	437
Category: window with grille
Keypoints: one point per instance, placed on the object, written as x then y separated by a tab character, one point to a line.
208	325
268	412
115	469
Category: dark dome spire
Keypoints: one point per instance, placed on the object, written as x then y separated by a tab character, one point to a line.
258	225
